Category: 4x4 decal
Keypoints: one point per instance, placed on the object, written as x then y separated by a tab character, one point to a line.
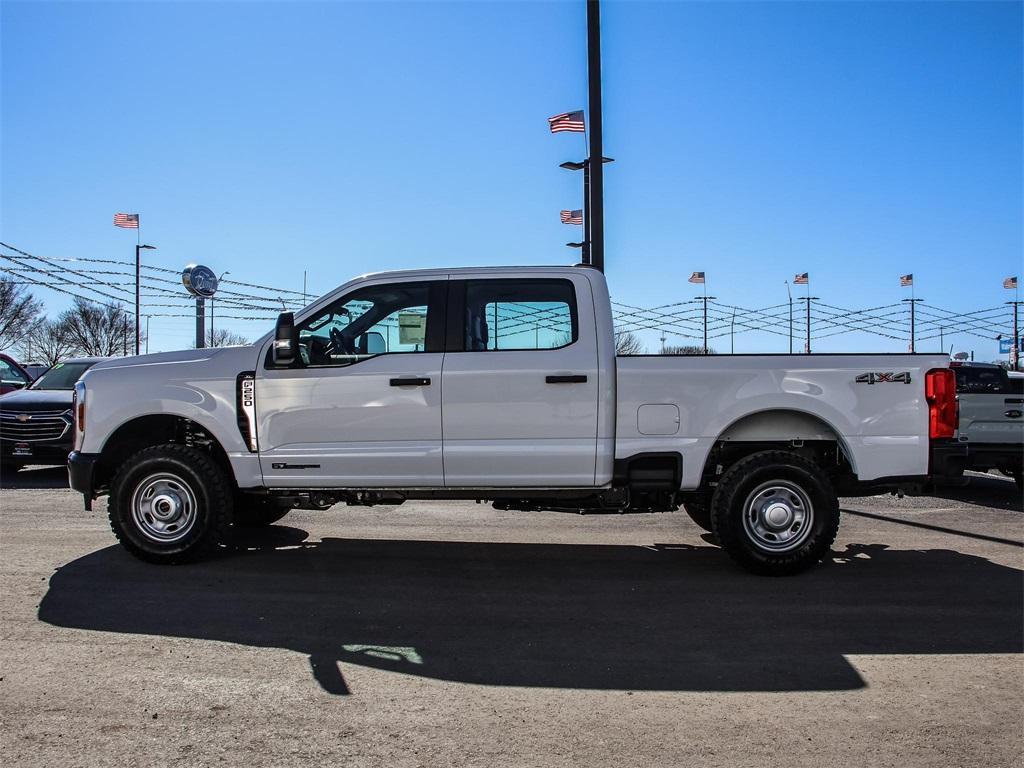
879	378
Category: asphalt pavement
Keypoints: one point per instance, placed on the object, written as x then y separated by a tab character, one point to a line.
440	633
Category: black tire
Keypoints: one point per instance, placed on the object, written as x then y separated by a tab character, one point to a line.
780	484
256	512
699	510
170	479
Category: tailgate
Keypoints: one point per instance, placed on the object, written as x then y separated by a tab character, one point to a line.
991	418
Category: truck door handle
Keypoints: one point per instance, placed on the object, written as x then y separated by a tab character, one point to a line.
1013	414
411	382
566	379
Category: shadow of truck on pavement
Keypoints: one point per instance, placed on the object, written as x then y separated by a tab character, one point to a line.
665	617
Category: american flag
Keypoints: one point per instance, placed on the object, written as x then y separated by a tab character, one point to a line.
1010	282
127	220
572	217
567	121
697	277
802	279
906	280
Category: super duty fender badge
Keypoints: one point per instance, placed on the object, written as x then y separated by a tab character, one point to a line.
903	377
245	395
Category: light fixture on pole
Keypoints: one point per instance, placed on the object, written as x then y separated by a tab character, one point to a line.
584	166
138	268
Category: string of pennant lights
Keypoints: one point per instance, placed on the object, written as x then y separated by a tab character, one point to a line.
108	281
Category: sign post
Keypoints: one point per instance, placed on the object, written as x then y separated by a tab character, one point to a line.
201	282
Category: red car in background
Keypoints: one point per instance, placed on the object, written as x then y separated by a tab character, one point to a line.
12	375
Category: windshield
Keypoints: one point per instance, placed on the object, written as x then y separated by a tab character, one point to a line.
11	375
61	376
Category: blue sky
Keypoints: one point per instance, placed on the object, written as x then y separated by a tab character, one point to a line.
856	141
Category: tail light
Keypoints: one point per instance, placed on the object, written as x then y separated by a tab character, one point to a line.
940	392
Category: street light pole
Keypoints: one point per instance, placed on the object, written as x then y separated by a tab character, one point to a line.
913	334
789	293
596	196
138	269
808	299
1015	347
705	300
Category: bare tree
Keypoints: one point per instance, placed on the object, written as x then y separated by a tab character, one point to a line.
19	311
222	337
100	330
687	349
628	343
46	342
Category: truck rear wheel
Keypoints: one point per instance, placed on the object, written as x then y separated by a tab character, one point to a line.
170	504
775	513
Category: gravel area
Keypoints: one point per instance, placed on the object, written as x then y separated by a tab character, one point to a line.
454	634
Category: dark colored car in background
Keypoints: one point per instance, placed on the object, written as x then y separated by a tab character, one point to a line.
12	375
35	422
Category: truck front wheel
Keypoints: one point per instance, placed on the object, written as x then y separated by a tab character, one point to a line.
775	513
170	504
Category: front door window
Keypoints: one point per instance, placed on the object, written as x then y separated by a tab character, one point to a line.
380	319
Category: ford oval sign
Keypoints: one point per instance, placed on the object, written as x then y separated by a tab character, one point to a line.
199	280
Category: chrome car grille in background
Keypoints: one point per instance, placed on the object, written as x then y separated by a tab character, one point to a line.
34	426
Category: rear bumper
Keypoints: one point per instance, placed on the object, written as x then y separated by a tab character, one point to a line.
82	473
949	458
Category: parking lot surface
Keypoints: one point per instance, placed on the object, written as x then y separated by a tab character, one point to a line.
453	634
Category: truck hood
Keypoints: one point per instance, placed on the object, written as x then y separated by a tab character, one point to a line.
26	400
218	360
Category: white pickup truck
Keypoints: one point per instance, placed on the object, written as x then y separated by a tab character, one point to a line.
498	384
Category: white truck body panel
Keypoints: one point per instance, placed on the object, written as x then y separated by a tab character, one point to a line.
882	427
504	425
490	420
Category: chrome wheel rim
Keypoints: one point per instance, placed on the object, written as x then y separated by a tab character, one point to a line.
777	516
164	508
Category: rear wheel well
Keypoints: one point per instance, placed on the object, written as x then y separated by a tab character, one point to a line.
826	454
157	429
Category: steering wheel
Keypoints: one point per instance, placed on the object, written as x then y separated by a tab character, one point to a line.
338	345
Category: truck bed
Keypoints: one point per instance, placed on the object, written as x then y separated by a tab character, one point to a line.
874	404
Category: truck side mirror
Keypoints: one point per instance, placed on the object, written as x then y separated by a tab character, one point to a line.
286	341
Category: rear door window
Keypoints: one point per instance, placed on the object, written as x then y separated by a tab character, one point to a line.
519	314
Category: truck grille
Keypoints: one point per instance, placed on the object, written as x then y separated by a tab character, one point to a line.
33	426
